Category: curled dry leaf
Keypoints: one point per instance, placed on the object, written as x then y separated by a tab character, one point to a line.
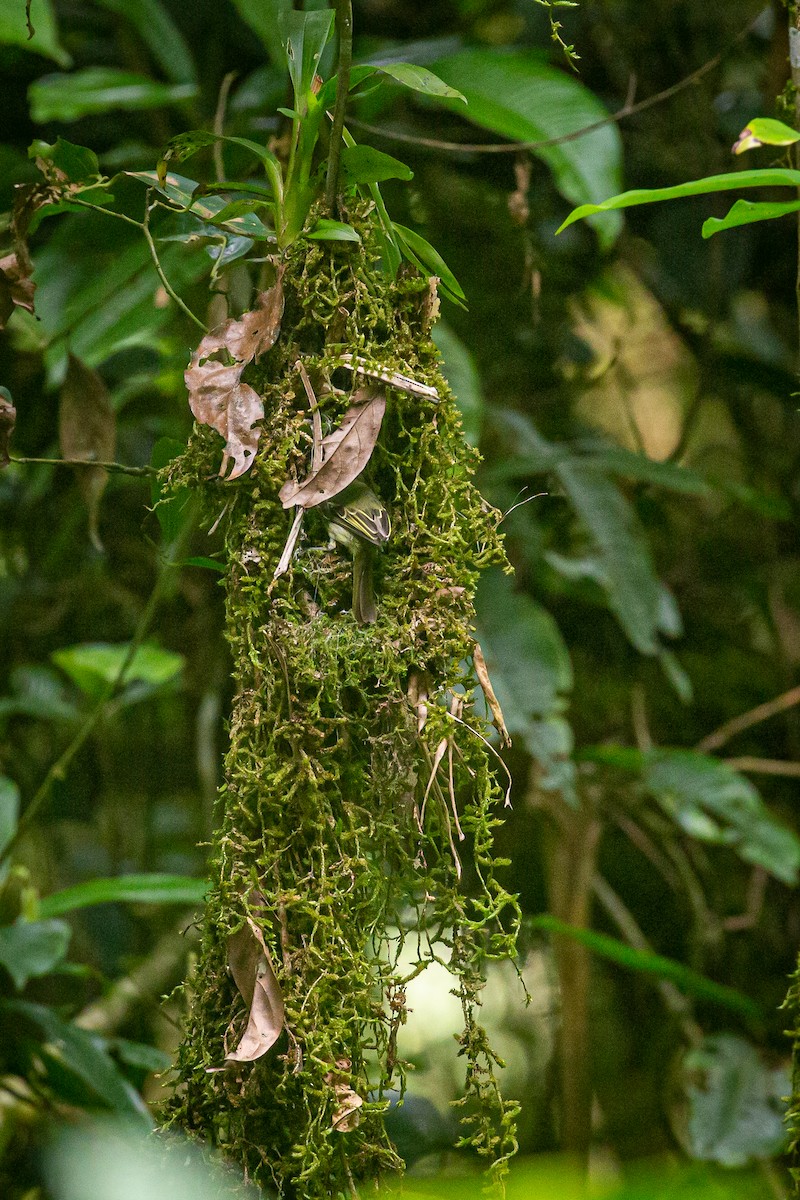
8	418
345	453
482	671
87	430
217	396
251	966
418	692
16	287
346	1115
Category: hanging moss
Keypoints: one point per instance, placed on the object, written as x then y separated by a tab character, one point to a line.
323	839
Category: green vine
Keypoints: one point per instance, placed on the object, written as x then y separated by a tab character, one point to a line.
322	840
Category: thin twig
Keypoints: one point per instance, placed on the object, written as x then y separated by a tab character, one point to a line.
754	716
219	123
59	768
765	766
168	288
120	468
627	110
344	28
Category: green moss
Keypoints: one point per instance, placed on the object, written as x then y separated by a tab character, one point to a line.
320	838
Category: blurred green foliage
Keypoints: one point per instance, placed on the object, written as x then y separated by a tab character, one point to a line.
641	377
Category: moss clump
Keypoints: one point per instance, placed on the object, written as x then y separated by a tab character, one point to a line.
324	839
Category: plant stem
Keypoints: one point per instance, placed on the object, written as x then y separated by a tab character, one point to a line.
120	468
157	262
59	768
344	28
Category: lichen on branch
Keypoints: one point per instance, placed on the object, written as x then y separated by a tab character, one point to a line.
324	843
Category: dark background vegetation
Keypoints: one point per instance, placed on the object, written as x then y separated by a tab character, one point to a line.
578	365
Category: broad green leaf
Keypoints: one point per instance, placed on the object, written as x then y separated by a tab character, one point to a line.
181	191
326	230
172	512
94	667
100	90
765	131
616	460
531	673
160	34
209	564
134	889
238	208
768	177
305	35
420	79
9	815
711	801
265	18
461	372
139	1055
29	949
14	30
746	212
363	164
690	982
78	163
523	98
427	259
184	145
736	1102
71	1058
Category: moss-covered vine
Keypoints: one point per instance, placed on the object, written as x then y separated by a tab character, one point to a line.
322	840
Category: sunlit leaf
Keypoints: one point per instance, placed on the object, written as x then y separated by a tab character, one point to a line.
765	131
768	177
94	666
420	79
746	212
363	164
326	230
182	191
305	35
14	30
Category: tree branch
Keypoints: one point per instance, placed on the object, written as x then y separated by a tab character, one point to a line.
120	468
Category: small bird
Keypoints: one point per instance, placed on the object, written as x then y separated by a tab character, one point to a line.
358	519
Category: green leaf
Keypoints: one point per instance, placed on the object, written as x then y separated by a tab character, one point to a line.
76	162
305	35
326	230
711	801
363	164
691	983
461	372
181	190
139	1055
14	30
736	1102
420	79
95	90
172	512
531	673
768	177
134	889
30	949
64	1052
746	212
9	815
94	667
266	19
427	259
523	98
765	131
210	564
160	34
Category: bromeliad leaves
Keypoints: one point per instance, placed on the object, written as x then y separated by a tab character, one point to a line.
251	967
345	452
217	395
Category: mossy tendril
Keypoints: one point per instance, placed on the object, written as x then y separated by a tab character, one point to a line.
319	838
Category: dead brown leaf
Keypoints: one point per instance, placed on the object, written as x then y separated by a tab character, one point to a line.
217	396
482	671
16	288
345	453
251	966
87	431
346	1115
8	419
